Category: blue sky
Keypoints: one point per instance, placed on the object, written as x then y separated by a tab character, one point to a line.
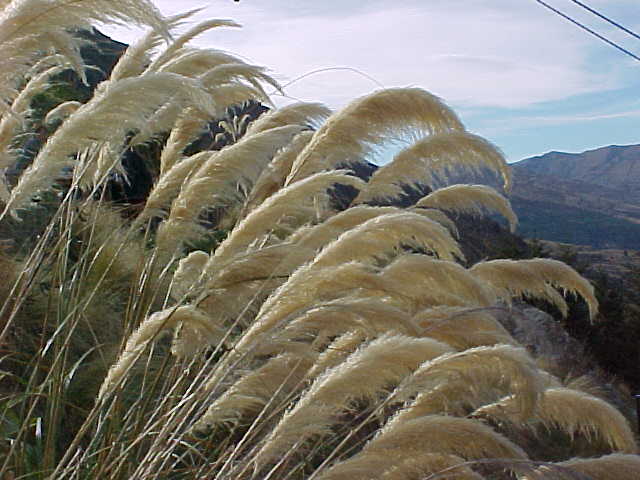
516	73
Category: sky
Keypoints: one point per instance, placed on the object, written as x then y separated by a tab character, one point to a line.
516	73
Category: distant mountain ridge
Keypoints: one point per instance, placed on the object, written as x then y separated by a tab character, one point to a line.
590	198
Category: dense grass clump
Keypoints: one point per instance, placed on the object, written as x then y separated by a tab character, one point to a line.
241	322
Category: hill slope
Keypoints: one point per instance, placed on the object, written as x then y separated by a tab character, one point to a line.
592	198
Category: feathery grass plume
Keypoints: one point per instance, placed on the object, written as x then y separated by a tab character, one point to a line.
575	412
290	206
195	330
114	110
616	466
470	199
310	115
387	234
13	120
431	158
225	96
365	375
317	236
177	45
420	272
28	27
168	186
536	277
254	390
433	434
337	352
220	181
386	115
336	317
188	272
396	465
237	289
272	178
62	111
137	56
189	124
231	73
196	61
440	217
498	367
143	336
462	328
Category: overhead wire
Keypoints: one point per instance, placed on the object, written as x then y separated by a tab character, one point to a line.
589	30
607	19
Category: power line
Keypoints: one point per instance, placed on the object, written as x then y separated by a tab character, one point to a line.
607	19
587	29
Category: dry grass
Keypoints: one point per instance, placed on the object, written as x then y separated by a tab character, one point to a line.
307	342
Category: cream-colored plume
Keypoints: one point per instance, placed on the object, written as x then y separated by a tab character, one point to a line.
220	181
434	277
365	375
472	199
310	115
145	334
462	328
575	412
429	436
290	207
383	116
536	277
272	178
395	464
115	109
385	235
430	159
497	368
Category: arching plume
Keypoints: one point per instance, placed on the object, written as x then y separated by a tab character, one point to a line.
428	436
420	272
256	389
293	205
616	466
575	412
219	182
386	234
470	199
440	217
310	115
386	115
272	178
462	328
193	62
365	375
432	158
169	184
536	277
499	367
62	111
317	236
398	465
112	112
137	56
29	27
177	45
146	333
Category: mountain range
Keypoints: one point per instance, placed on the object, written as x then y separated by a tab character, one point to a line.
590	198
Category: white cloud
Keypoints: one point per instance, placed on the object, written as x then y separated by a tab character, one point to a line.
471	52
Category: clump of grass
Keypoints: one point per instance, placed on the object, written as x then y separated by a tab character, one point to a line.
308	342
